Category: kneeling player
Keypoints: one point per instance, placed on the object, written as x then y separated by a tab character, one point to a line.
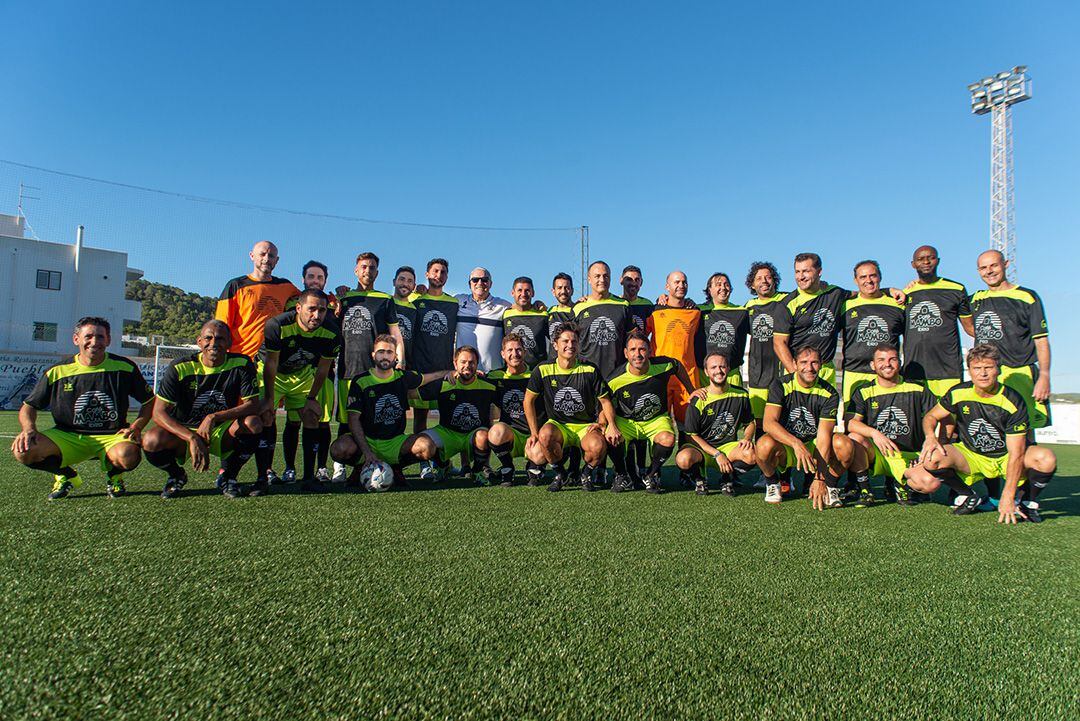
88	397
884	421
509	437
207	403
643	409
377	401
713	421
800	415
992	422
572	396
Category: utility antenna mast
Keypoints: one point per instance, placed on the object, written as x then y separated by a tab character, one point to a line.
584	260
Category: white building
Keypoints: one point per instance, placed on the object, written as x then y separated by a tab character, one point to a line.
49	286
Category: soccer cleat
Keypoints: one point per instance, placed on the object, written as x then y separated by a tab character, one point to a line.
891	490
230	489
427	471
219	482
172	488
621	483
557	483
966	505
483	476
773	493
652	483
587	481
684	480
864	499
904	496
506	476
114	487
534	474
61	487
259	488
832	498
341	473
728	488
273	479
289	476
701	488
1029	511
322	476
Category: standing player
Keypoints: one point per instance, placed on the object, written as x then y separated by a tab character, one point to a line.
433	339
604	321
298	349
640	308
992	422
207	403
762	310
508	437
642	401
88	397
562	289
572	396
404	285
673	328
800	416
870	319
480	316
249	301
724	326
713	424
530	325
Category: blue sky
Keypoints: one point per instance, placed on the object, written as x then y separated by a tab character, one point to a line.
697	137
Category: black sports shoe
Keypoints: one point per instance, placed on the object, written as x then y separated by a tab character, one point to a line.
1029	511
483	477
259	488
652	484
219	482
273	479
701	488
557	484
114	487
684	480
621	483
727	488
230	488
173	487
506	476
970	504
587	481
864	499
60	488
534	474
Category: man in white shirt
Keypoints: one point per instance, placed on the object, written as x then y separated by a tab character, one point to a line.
479	321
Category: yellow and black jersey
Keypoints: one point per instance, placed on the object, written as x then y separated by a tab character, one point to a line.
510	398
434	332
642	397
983	422
92	400
382	402
246	304
196	390
931	333
532	327
364	315
724	329
557	316
462	407
406	317
640	310
719	417
801	408
813	319
571	395
897	411
762	365
869	322
298	348
604	325
1010	320
331	303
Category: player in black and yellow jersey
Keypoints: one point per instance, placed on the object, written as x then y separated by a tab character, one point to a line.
528	324
992	422
721	425
207	404
604	320
298	348
884	421
1011	318
562	289
762	310
247	302
870	319
724	327
404	285
88	398
800	416
571	394
376	405
464	405
509	437
631	281
639	392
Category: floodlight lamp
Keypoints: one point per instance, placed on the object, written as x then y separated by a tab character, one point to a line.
974	86
979	94
994	87
1003	75
1020	69
987	81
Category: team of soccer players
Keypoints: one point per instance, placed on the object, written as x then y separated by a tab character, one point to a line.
575	384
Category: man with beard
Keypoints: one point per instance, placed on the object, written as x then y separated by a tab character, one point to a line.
571	394
404	285
724	326
642	401
800	416
762	310
640	308
992	423
88	397
377	401
713	421
527	323
433	339
207	404
249	301
562	289
509	437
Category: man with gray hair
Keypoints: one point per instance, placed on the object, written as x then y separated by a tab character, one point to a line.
479	321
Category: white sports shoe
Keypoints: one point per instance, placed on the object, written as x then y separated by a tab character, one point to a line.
772	493
832	498
427	471
341	473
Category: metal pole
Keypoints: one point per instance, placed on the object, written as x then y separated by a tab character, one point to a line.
584	259
1002	198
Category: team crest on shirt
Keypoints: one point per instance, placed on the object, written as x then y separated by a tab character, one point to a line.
723	425
647	406
987	327
762	329
722	334
208	402
388	410
872	331
893	423
95	409
406	328
823	323
466	416
984	437
801	421
528	340
299	358
435	324
513	403
639	322
602	331
678	323
924	316
568	401
357	321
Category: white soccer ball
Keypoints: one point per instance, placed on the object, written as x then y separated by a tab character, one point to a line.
378	476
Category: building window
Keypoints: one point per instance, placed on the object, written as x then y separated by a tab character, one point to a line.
45	331
48	279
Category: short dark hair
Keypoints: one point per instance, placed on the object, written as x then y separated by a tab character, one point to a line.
761	265
861	263
522	279
467	349
562	276
512	338
708	283
405	269
636	334
630	269
599	262
983	351
312	293
384	338
314	264
811	257
803	350
368	255
886	348
93	320
438	261
567	327
716	353
216	323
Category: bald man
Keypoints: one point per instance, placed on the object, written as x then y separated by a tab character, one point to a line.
1011	319
480	319
250	300
673	328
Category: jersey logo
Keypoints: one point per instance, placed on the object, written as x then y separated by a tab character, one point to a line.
602	331
762	329
269	305
924	316
528	340
984	437
893	422
388	410
435	324
406	327
987	327
513	403
568	402
95	409
823	323
639	322
872	331
647	406
722	334
466	416
299	359
208	402
678	323
357	321
801	421
722	426
69	386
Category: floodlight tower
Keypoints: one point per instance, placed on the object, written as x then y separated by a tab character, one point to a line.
996	94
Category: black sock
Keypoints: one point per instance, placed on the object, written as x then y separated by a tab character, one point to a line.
640	447
166	461
589	470
244	446
572	460
504	452
324	444
113	472
310	442
290	440
481	459
949	478
1036	482
617	454
694	471
264	453
862	480
830	480
51	464
993	486
741	467
660	454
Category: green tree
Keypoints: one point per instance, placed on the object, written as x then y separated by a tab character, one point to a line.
168	311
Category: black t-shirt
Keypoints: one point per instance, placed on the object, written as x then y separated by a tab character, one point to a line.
365	314
196	390
604	325
382	402
931	333
557	316
763	367
897	412
813	319
462	408
724	330
406	317
984	422
640	310
435	332
801	409
644	397
532	327
1010	320
91	400
719	417
570	395
298	348
510	398
869	322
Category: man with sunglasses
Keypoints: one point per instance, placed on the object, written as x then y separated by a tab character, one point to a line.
480	319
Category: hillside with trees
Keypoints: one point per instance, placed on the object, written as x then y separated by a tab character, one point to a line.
168	311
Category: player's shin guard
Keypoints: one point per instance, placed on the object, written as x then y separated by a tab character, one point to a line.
504	452
290	440
481	459
243	448
264	453
166	461
617	454
660	454
310	441
1036	482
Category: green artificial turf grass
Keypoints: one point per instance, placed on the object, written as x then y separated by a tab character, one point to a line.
467	603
